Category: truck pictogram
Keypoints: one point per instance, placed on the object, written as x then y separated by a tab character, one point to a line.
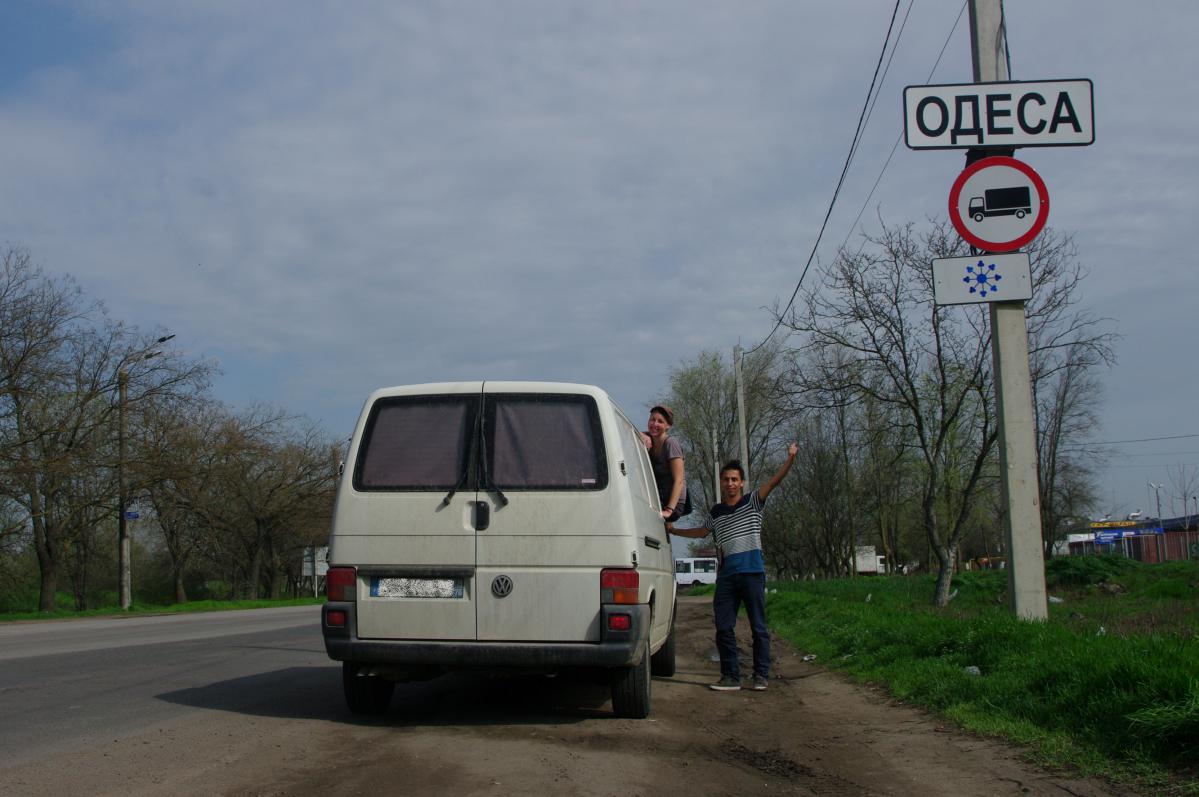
1001	202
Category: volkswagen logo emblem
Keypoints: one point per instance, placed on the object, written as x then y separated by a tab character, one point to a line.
501	586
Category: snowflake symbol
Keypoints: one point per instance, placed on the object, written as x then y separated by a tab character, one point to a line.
982	278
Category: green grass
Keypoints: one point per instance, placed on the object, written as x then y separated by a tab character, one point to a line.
1109	686
174	608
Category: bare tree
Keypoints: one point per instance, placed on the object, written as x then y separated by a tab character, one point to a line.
871	330
1066	346
267	494
704	400
175	471
811	521
1184	484
60	356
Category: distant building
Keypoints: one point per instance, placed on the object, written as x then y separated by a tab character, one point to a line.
1143	539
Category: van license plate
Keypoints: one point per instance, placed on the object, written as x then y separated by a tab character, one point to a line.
390	587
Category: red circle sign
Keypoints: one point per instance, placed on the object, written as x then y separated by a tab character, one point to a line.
998	204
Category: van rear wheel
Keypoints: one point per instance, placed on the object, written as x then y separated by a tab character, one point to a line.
631	689
365	694
662	662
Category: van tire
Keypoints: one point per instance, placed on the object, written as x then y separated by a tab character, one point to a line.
662	662
365	694
631	689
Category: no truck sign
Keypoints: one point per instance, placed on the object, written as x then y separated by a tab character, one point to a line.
998	204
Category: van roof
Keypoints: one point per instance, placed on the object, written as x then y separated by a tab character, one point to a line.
490	387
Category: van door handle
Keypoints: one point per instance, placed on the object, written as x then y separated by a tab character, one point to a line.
653	543
482	515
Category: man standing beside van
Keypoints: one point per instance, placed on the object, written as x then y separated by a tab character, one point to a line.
737	527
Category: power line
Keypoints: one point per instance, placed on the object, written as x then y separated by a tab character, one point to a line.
1137	440
1148	467
878	92
899	136
1160	454
840	181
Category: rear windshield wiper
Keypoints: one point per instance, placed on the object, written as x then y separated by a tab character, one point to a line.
486	483
470	455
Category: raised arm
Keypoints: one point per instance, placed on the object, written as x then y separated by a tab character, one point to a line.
766	489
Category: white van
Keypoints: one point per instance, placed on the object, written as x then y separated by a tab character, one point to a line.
691	571
498	526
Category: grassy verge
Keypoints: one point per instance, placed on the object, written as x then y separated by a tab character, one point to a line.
1108	687
174	608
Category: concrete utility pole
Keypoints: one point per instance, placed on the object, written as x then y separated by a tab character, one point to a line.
1013	382
741	411
715	468
123	548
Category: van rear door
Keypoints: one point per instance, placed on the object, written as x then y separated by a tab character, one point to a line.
553	527
410	529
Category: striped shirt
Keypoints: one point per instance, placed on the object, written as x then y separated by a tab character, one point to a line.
738	533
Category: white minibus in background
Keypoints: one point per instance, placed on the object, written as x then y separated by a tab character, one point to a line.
692	571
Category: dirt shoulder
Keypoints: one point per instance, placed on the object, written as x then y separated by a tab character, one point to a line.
810	733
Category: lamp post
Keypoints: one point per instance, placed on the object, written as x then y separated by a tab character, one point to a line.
1158	495
125	576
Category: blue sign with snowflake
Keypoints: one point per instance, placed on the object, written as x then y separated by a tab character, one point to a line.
982	278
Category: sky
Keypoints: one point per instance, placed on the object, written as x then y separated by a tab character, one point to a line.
326	198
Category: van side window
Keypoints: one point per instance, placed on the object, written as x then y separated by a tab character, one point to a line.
538	442
636	461
415	443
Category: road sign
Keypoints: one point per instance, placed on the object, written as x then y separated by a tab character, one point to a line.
1046	113
985	278
131	515
998	204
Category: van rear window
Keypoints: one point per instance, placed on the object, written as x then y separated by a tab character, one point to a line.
530	442
545	442
416	443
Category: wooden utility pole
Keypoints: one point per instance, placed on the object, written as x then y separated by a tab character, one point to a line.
1013	382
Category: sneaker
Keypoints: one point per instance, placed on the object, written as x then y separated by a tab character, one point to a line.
726	683
760	683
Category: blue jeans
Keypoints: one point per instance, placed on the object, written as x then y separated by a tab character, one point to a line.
731	592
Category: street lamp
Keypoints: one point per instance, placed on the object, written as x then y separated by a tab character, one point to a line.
125	577
1158	495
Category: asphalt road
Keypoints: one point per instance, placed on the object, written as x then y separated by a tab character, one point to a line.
67	684
247	704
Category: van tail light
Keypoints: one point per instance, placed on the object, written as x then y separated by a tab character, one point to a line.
336	618
341	584
620	622
619	586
